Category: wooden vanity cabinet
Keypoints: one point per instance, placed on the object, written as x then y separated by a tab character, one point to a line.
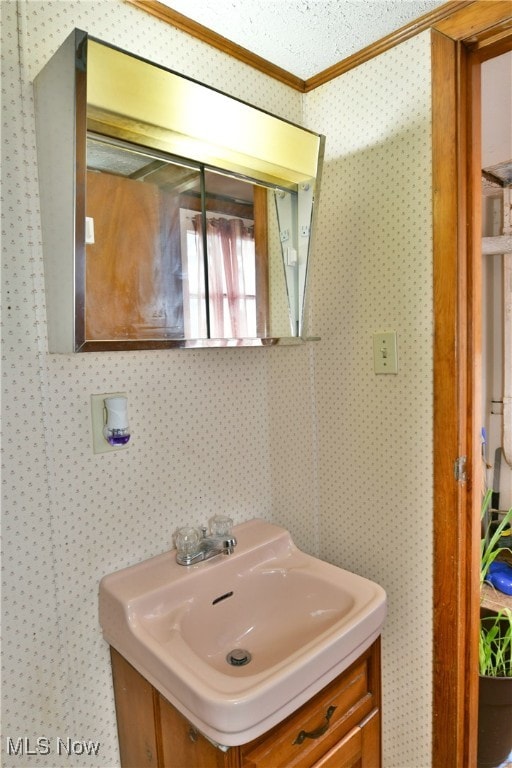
340	727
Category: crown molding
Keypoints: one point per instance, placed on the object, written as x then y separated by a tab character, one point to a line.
193	28
421	24
445	19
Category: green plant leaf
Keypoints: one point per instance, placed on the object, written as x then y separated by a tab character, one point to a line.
495	642
495	646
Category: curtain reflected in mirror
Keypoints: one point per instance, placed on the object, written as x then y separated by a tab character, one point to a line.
231	295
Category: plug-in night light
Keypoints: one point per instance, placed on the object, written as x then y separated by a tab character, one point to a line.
116	430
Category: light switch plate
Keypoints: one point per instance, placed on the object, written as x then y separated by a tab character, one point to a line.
385	357
99	442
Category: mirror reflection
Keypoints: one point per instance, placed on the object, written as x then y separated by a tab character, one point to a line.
177	251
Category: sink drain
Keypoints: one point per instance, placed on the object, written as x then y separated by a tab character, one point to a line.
238	657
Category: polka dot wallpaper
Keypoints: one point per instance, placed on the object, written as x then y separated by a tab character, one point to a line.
305	436
375	431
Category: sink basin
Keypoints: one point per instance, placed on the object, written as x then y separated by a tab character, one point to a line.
294	623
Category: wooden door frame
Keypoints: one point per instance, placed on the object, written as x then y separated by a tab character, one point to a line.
459	44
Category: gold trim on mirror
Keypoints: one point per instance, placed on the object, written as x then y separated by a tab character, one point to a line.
140	98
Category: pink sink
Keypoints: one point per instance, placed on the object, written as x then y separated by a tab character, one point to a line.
239	642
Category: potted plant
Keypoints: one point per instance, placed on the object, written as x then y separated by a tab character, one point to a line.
495	658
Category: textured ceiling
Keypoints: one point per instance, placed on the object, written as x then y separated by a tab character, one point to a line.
304	37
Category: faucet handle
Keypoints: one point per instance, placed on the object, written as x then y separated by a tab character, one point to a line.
187	541
221	525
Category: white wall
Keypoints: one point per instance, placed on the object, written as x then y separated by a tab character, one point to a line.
497	110
230	430
374	273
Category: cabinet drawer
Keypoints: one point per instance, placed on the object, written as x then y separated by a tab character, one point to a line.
302	739
360	748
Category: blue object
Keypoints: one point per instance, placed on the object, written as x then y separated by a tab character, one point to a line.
500	576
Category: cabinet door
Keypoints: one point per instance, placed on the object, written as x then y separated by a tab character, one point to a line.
347	753
135	708
184	747
371	756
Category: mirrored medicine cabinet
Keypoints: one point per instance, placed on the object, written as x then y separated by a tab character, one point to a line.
172	214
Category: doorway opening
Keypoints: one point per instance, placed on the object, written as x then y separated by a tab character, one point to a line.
460	44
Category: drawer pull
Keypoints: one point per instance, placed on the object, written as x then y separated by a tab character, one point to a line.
318	731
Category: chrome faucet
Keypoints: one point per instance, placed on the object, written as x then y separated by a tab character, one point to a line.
194	545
